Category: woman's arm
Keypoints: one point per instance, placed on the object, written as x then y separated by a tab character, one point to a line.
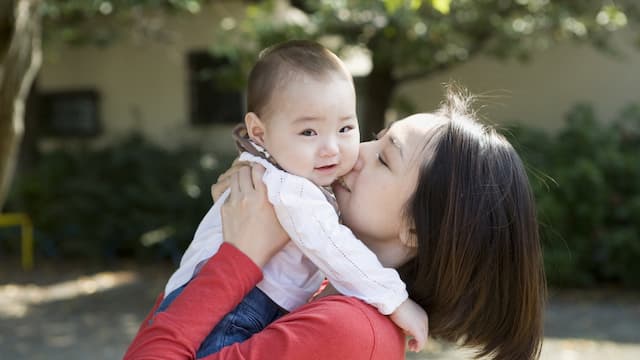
335	327
251	226
313	225
178	332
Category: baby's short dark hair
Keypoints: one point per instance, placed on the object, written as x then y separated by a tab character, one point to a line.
279	64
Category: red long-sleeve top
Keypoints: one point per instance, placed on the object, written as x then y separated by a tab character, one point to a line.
333	327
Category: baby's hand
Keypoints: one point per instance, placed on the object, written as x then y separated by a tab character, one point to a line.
412	318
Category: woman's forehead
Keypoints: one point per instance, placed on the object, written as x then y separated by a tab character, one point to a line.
414	127
415	134
422	120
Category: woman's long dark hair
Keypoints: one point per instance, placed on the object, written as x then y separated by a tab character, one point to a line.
478	271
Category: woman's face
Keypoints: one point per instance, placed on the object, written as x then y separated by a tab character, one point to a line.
373	195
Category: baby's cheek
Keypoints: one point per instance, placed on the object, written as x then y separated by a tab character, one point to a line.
351	157
345	166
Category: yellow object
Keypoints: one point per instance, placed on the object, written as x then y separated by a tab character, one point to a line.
22	220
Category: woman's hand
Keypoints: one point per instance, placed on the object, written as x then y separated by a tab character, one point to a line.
223	181
248	219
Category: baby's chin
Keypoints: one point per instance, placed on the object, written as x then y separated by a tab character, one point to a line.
325	182
335	178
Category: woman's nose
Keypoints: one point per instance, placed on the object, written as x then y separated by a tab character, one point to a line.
359	164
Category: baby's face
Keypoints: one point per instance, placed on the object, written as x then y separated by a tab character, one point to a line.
311	128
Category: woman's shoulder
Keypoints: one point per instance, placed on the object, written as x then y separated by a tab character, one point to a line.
354	325
348	305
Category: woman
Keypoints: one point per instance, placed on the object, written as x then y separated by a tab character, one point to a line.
438	196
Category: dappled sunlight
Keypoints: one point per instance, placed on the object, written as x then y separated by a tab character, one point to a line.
587	349
552	349
15	300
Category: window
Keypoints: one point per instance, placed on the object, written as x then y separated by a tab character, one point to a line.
211	103
71	113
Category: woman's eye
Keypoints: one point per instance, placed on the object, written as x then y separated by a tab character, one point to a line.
381	160
344	129
308	132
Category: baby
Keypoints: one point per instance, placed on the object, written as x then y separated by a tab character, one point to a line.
301	125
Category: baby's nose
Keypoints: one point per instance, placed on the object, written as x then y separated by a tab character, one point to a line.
329	147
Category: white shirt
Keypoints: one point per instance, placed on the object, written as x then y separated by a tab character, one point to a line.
320	246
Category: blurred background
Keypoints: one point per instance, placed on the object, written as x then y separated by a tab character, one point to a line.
115	118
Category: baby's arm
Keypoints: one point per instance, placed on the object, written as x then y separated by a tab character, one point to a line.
352	268
208	236
412	318
313	225
205	243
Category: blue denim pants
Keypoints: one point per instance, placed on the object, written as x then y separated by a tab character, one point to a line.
253	314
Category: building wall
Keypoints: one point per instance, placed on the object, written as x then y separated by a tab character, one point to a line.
540	92
143	85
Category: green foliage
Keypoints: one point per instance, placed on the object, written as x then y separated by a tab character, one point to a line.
405	39
414	38
131	199
136	199
102	22
587	183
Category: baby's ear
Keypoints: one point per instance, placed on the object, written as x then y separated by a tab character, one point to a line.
255	127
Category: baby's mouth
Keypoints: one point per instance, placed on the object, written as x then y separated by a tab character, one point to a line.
327	167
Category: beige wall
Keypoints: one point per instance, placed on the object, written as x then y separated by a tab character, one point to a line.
543	90
144	85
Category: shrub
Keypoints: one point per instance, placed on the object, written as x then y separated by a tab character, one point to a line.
586	178
132	199
137	199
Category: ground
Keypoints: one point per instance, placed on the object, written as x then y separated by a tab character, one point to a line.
71	311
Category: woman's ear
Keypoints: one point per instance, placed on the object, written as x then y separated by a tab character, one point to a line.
255	127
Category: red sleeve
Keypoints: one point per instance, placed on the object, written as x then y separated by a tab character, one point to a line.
334	327
149	316
177	332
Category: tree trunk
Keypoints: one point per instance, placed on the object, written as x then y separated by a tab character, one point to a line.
20	59
374	94
28	155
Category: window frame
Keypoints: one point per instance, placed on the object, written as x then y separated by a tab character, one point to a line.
51	116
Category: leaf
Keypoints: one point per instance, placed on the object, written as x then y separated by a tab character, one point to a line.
392	5
443	6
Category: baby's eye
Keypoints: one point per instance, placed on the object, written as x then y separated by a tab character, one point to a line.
308	132
344	129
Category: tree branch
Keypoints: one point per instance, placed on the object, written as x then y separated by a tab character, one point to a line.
480	42
18	68
416	75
